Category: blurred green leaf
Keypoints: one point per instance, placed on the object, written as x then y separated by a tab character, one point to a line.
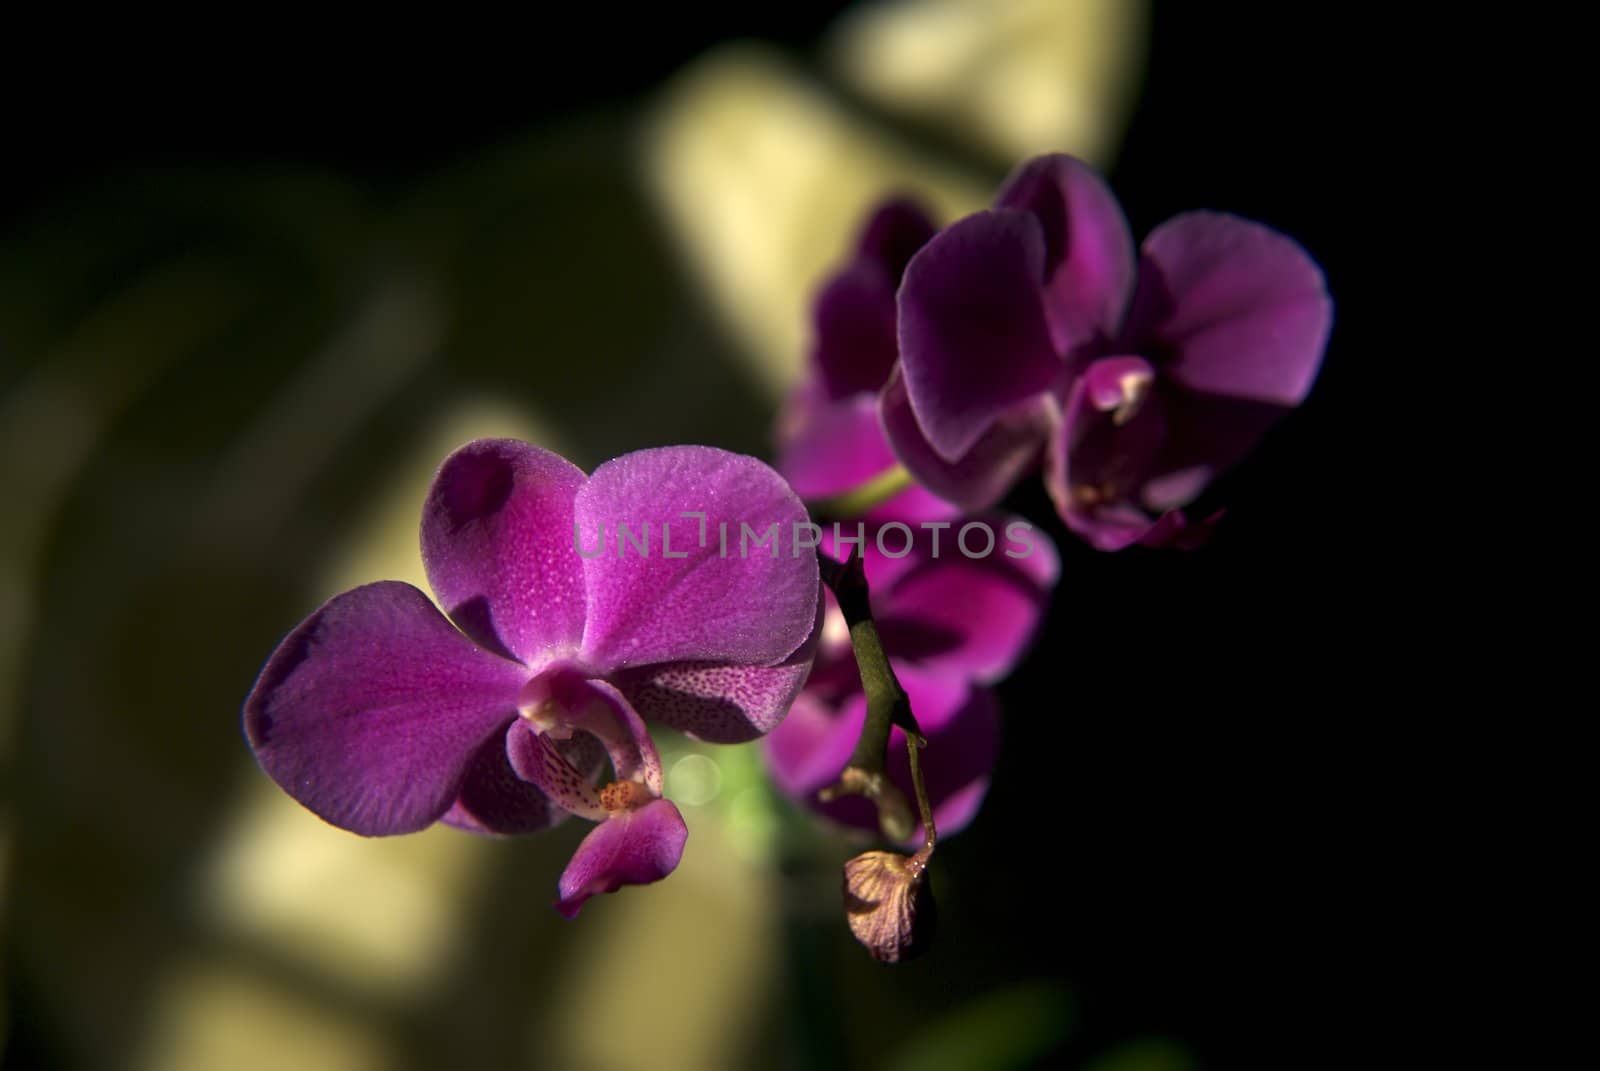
1010	1029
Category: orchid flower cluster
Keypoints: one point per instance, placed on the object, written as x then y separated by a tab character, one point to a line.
947	366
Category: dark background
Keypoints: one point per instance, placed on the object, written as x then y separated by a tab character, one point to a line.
1177	839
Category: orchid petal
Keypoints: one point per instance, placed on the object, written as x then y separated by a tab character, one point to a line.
600	710
974	341
855	313
497	542
894	232
969	617
1104	451
829	449
372	711
718	702
1238	309
634	847
810	749
855	330
494	800
982	476
1089	257
732	601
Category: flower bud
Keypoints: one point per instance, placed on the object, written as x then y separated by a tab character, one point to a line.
889	904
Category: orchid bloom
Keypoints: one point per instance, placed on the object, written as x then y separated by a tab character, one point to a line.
829	436
1031	330
382	716
952	625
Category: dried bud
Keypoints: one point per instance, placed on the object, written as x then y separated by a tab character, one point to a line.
889	904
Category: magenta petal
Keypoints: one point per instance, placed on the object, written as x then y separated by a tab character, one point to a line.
371	712
981	477
969	617
738	600
855	311
828	449
629	848
807	752
1240	309
1118	527
719	703
893	233
855	325
493	799
1089	259
1110	525
973	337
498	547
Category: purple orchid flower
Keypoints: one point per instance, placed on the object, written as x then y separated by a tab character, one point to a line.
830	438
382	716
1032	329
952	625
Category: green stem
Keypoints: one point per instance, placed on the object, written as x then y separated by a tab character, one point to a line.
888	705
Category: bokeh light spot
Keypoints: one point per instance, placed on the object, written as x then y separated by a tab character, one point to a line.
694	780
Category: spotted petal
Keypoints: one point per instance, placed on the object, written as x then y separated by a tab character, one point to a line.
720	703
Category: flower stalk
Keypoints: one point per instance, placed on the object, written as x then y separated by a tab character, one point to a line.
888	904
866	773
